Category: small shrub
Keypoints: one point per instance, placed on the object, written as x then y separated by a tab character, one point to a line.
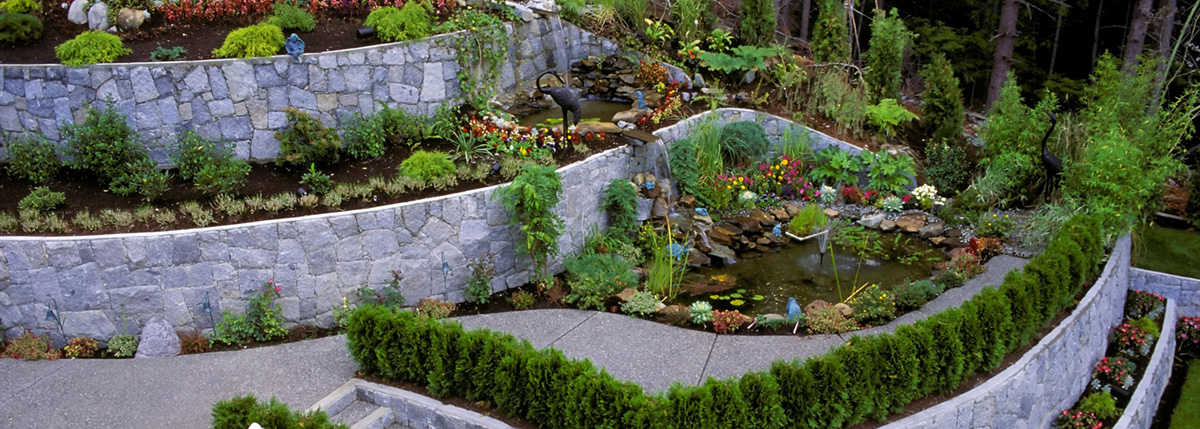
259	323
1149	325
20	6
873	306
743	142
640	304
810	219
123	345
191	342
993	225
306	141
29	347
240	411
829	41
81	347
1102	404
211	165
389	295
521	300
42	199
141	178
726	322
620	201
168	54
317	182
1111	372
652	73
530	201
262	40
946	167
758	22
943	109
888	116
479	284
104	143
829	320
289	17
434	308
32	157
950	279
911	296
890	38
364	136
701	312
91	47
594	277
410	22
426	166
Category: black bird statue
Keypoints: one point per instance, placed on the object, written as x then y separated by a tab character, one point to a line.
563	96
1051	163
294	46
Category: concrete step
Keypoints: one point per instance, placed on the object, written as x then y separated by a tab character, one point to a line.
354	412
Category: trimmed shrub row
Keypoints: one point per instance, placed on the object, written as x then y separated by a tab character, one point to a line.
885	372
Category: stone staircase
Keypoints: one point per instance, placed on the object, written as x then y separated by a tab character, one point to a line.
364	405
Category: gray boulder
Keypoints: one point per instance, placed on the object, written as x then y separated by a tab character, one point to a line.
158	340
871	221
97	17
932	230
76	14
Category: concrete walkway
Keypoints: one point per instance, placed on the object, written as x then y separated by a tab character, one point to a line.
179	392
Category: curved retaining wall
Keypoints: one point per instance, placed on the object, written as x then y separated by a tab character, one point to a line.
242	100
1184	290
1139	414
1050	377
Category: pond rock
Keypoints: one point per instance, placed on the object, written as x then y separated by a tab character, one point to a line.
718	236
728	229
792	208
887	225
630	115
872	221
831	213
626	294
644	209
781	214
911	222
675	311
698	259
660	208
597	126
932	230
76	14
158	339
687	201
937	241
846	310
724	253
815	305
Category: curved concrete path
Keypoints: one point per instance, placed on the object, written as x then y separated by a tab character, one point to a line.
179	392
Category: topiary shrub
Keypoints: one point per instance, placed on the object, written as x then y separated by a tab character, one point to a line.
743	142
17	28
262	40
593	277
306	141
758	22
408	23
426	166
32	157
91	47
289	17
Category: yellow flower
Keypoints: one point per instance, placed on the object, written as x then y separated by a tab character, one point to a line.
784	162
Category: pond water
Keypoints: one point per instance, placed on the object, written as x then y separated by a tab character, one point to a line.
796	270
591	109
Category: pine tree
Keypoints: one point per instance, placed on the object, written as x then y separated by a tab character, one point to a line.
830	39
758	22
943	111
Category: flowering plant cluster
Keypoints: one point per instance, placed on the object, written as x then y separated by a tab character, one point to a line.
240	11
1132	340
652	73
1188	330
670	104
984	247
1144	304
1111	372
81	347
827	194
927	197
1078	419
504	137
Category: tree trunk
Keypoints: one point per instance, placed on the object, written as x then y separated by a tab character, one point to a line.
805	10
1166	33
1002	61
1096	32
1137	34
1057	31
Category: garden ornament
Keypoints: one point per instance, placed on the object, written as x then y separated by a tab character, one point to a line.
793	309
1051	163
294	46
563	96
701	211
777	230
52	315
641	101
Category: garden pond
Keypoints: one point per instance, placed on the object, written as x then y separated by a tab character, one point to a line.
602	110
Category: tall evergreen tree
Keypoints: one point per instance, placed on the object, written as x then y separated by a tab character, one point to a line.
830	39
890	38
943	111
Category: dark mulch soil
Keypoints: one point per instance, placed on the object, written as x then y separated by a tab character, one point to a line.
199	39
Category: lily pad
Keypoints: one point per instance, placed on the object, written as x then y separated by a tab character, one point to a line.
758	297
714	296
737	303
725	297
735	295
741	291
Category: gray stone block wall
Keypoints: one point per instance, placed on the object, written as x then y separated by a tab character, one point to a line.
1050	377
1139	414
316	260
242	100
1184	290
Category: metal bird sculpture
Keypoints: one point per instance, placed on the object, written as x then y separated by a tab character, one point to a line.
563	96
1051	163
294	46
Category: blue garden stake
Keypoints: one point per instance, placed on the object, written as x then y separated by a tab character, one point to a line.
54	316
207	308
641	101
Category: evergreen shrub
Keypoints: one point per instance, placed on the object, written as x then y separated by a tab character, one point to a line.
410	22
17	28
262	40
91	47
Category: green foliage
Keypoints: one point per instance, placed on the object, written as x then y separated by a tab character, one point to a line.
522	300
1149	325
259	323
29	347
262	40
890	174
946	166
810	219
594	277
640	304
211	165
1102	404
888	116
13	7
410	22
911	296
426	166
479	53
693	18
829	320
530	201
319	183
142	178
240	411
306	141
873	306
289	17
683	160
42	199
993	225
665	269
758	22
741	59
164	54
479	284
364	136
836	166
90	47
1193	204
840	98
743	142
104	144
1012	134
1187	412
620	201
831	35
407	127
890	38
32	157
943	109
123	345
701	312
17	28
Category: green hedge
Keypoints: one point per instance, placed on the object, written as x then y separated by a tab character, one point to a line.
867	378
240	411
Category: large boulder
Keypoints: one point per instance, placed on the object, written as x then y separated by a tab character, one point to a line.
97	17
76	13
872	221
158	340
911	222
131	19
932	230
630	115
597	126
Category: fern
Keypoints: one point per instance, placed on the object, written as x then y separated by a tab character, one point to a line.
888	116
408	23
90	47
262	40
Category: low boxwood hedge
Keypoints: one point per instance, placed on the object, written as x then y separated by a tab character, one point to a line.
885	372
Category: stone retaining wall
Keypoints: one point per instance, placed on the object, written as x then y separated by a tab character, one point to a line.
1139	414
1050	377
316	260
1184	290
242	100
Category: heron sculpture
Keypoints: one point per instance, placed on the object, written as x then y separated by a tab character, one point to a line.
562	95
1051	163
